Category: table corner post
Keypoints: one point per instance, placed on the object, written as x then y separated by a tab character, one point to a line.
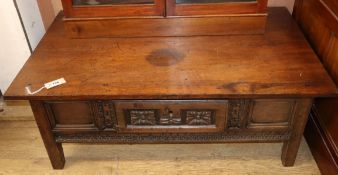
54	149
291	146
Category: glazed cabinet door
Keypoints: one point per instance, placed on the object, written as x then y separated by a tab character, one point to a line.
113	8
214	7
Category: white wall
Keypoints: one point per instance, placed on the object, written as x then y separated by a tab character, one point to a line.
14	50
283	3
57	6
32	21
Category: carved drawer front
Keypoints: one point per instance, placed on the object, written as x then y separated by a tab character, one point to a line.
271	114
171	116
81	115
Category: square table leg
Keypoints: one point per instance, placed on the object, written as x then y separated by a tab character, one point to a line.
291	146
54	149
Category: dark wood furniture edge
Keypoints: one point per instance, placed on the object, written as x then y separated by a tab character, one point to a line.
323	8
173	97
321	144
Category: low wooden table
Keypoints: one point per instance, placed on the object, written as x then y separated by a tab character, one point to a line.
207	89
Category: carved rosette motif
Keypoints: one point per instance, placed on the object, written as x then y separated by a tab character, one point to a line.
199	117
238	112
104	113
142	117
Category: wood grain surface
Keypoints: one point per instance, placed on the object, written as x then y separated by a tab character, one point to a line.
165	27
279	63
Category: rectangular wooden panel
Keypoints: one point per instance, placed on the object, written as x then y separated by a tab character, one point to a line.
330	59
70	115
271	113
171	116
178	26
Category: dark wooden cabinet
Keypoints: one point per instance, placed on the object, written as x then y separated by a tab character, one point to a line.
318	20
139	8
149	18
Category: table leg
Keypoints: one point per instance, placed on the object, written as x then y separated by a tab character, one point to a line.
54	150
290	147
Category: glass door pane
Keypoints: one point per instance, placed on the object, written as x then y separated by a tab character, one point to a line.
110	2
209	1
214	7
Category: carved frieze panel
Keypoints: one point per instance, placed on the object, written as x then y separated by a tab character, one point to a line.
227	136
104	114
182	117
169	116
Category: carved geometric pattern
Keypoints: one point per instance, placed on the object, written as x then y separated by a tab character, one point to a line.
199	117
168	118
149	117
105	115
109	115
142	117
238	112
176	138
